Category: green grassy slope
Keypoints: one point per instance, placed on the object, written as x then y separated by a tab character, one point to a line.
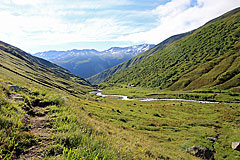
209	57
102	76
52	122
17	64
45	118
49	124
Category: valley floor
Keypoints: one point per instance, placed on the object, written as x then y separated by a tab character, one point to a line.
50	125
165	129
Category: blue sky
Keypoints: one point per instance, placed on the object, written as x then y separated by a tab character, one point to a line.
40	25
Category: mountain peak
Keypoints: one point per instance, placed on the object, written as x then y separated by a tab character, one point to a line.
87	62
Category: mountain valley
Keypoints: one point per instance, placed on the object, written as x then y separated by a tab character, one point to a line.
52	112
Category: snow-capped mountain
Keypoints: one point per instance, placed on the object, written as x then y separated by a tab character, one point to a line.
132	50
53	55
88	62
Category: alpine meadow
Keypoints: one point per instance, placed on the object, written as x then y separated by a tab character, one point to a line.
177	100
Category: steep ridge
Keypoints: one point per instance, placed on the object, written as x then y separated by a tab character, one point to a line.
102	76
88	62
209	57
18	64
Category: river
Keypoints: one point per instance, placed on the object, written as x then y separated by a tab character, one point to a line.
123	97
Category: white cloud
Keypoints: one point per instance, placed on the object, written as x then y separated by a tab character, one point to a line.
179	16
33	31
83	4
41	22
29	24
172	8
27	2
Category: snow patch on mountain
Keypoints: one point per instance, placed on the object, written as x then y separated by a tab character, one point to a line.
54	55
88	62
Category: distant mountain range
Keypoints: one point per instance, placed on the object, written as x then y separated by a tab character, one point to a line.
88	62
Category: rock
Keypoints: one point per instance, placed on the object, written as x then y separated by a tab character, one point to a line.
17	97
236	146
212	139
90	114
201	151
14	87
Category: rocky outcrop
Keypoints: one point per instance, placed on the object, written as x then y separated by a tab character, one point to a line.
236	146
201	152
14	87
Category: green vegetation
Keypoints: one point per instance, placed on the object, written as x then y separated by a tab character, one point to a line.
88	62
207	58
92	127
45	117
18	66
102	76
203	65
164	130
200	95
51	116
54	127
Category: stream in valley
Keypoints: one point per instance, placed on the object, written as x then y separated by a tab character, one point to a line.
123	97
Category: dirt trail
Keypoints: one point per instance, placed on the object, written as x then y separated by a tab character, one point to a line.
40	130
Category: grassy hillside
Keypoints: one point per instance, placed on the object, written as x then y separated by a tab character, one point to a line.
17	65
50	116
209	57
49	124
100	77
44	118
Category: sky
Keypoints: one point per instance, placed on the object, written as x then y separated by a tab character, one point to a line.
41	25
